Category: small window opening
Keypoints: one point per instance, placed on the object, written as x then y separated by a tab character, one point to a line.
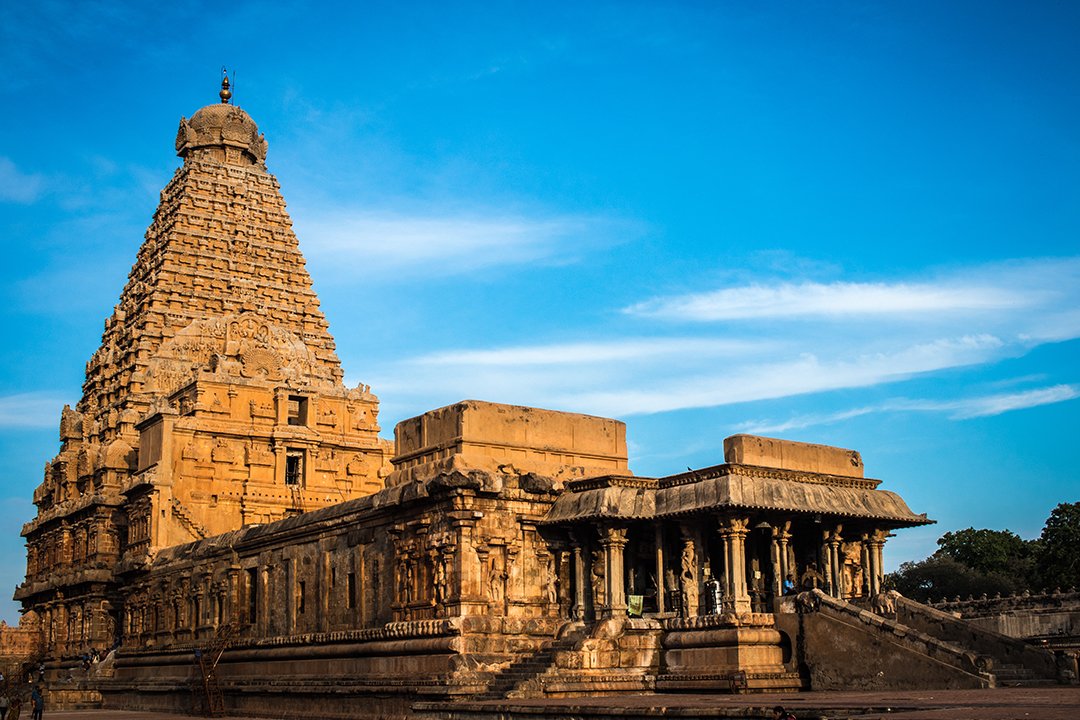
300	599
351	591
298	407
294	468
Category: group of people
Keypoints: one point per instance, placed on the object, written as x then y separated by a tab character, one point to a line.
11	706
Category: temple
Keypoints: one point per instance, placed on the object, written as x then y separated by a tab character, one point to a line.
222	511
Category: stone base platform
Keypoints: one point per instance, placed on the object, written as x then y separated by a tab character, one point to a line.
1051	703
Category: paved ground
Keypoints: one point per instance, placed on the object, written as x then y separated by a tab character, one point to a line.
1050	703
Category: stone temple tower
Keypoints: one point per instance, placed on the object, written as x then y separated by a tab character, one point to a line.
214	401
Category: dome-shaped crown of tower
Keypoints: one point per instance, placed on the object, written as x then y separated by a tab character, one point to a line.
221	132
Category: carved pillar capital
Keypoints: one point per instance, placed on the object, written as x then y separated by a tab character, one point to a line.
613	535
733	526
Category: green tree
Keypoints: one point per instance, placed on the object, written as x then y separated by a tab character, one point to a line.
941	577
992	552
1059	554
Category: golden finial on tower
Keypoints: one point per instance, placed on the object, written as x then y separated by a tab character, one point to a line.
225	93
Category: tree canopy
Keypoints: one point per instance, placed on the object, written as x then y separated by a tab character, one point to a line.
974	562
1059	554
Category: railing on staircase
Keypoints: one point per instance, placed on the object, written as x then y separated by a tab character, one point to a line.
207	658
1007	654
926	644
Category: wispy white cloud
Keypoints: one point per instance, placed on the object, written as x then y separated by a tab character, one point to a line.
17	186
760	379
833	299
996	404
30	410
1005	286
921	326
454	243
667	374
960	409
576	353
765	427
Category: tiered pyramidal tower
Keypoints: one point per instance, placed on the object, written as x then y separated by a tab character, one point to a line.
214	401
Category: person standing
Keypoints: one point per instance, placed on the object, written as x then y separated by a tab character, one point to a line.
38	702
5	703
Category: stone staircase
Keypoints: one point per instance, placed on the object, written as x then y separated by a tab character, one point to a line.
963	654
182	514
1012	675
1012	662
522	677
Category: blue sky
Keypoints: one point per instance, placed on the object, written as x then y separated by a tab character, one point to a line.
847	223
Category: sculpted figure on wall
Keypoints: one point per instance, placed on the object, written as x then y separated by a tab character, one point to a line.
550	579
440	583
405	582
852	576
497	577
688	578
597	573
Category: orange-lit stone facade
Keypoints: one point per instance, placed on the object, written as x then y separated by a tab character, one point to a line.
215	400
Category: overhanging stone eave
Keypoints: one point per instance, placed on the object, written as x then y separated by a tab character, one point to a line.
629	502
738	492
612	500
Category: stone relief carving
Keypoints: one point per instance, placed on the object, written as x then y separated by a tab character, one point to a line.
550	579
852	575
497	577
440	582
70	424
688	585
597	578
258	454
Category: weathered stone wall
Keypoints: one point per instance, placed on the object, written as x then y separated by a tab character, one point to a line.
558	445
21	642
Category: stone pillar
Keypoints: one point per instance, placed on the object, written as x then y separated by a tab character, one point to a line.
832	541
466	591
776	559
564	566
262	600
658	535
733	532
866	564
876	544
323	590
290	596
783	536
232	596
359	589
689	583
726	581
578	611
513	585
613	540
